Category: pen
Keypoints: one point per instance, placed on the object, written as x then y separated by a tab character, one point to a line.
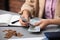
15	21
23	19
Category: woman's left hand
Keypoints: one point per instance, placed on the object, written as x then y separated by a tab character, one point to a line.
43	23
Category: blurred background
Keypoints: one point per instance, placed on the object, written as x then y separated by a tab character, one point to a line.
11	5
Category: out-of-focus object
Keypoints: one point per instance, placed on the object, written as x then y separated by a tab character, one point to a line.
52	35
32	28
10	33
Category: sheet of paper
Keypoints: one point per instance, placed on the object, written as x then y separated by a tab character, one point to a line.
14	18
4	19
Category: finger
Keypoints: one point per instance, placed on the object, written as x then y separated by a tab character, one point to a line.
42	26
38	23
23	23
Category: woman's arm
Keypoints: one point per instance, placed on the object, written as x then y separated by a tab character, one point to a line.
55	21
44	22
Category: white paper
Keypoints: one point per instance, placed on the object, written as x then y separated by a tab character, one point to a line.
4	19
14	18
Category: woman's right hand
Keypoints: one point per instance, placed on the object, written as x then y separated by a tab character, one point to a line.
26	16
23	23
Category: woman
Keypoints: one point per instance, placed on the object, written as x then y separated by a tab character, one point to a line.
50	9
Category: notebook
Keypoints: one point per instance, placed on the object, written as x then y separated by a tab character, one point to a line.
6	19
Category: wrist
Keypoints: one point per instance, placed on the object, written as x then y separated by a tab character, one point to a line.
50	21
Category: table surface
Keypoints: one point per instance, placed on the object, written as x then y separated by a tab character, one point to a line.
26	34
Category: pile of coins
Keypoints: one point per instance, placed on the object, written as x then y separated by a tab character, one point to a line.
10	33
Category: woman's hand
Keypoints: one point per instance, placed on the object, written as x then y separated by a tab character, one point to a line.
23	23
26	16
43	23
